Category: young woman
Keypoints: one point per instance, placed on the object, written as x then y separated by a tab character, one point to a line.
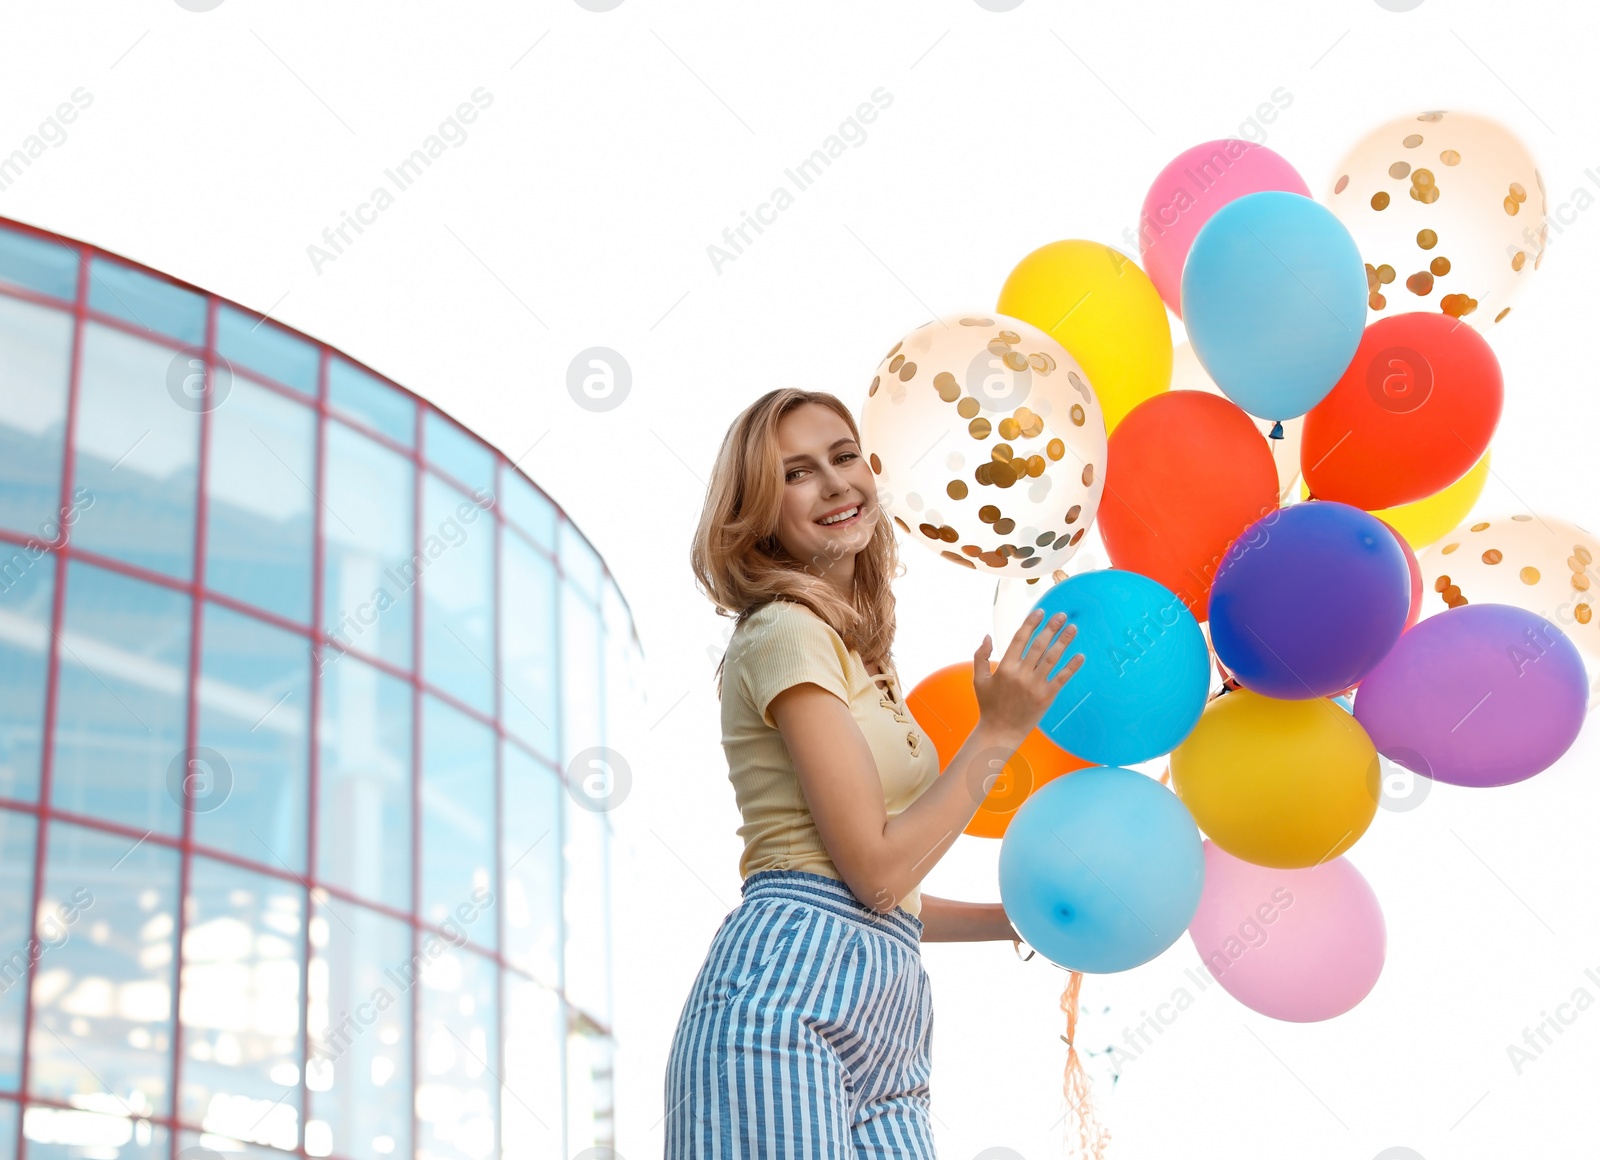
807	1032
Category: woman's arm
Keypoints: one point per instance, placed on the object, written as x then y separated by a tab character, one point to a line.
883	859
947	920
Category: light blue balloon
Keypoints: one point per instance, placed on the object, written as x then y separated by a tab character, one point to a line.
1146	672
1101	870
1274	296
1346	702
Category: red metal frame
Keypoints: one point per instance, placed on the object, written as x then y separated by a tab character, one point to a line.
63	552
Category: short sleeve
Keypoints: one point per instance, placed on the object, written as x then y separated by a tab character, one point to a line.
785	644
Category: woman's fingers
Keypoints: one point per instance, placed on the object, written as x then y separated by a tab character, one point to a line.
1019	642
1041	643
1060	645
1051	650
1066	672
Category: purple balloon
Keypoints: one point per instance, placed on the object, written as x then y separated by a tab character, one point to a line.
1479	695
1308	599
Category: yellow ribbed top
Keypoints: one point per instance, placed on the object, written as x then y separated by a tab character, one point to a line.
781	644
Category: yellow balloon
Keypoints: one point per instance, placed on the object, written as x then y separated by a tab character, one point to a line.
1430	519
1096	302
1286	784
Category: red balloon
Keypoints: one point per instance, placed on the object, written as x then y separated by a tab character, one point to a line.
1186	473
1413	413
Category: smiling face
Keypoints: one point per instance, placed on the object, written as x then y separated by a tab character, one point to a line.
825	472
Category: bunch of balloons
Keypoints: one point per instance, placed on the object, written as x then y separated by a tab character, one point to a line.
1284	501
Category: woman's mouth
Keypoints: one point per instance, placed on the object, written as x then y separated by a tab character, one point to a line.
853	518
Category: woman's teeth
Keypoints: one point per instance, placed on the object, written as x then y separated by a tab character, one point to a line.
841	518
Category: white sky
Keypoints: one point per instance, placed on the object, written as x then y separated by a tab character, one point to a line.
577	213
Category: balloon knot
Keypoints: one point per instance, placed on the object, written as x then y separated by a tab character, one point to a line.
1277	430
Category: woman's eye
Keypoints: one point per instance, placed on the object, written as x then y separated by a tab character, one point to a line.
788	478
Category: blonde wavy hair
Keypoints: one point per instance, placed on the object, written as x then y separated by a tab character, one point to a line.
738	561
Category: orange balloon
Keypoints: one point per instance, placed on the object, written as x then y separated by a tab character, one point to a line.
1186	473
946	708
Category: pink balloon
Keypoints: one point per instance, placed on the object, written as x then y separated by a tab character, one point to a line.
1297	945
1194	185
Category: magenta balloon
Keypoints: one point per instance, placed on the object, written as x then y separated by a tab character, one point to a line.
1479	695
1194	185
1297	945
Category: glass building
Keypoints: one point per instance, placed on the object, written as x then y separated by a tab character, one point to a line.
282	641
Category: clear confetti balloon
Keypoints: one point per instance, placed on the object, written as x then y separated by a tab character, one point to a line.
1189	375
988	442
1448	211
1015	597
1537	563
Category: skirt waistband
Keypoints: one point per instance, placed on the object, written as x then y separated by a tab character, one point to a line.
836	898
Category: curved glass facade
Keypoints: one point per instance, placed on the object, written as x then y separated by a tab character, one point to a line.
291	668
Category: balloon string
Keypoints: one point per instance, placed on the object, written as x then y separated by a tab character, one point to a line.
1091	1137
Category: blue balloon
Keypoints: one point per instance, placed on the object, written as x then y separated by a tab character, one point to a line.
1146	672
1308	599
1274	296
1101	870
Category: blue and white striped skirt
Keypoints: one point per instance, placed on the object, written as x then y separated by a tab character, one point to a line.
807	1032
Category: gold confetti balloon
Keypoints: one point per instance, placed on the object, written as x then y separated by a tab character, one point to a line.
1448	210
1189	375
1538	563
988	443
1015	597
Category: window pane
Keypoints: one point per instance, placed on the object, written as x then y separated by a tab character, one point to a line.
123	699
102	1001
457	1094
147	301
372	401
364	783
38	264
255	705
580	676
586	888
250	342
240	1004
530	1105
262	468
35	367
459	455
527	507
622	678
579	562
531	874
359	1021
58	1134
457	551
27	587
591	1114
369	574
458	818
215	1145
136	453
8	1130
16	907
528	644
